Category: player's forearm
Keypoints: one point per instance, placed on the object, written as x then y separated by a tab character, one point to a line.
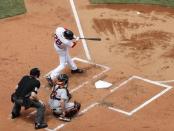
74	44
34	96
63	107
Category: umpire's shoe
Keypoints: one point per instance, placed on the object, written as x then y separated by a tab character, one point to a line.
77	71
40	125
13	115
50	81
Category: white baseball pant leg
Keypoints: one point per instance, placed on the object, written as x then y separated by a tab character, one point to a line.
64	59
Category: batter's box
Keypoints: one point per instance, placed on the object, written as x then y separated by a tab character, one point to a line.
92	72
134	94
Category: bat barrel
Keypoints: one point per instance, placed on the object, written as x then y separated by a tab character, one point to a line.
96	39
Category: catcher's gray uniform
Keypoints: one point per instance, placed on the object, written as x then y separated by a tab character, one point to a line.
56	96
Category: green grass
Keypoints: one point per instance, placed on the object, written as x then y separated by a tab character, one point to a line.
159	2
11	8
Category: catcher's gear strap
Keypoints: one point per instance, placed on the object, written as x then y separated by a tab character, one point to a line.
54	93
68	94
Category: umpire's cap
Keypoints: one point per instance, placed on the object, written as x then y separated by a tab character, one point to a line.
68	34
35	72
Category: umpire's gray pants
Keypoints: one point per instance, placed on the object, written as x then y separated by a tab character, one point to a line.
36	104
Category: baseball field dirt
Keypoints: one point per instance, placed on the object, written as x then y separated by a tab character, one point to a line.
136	55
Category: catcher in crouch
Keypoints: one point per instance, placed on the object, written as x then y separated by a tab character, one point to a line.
60	100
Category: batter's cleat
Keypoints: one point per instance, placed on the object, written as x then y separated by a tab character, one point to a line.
66	119
40	125
13	115
77	71
50	81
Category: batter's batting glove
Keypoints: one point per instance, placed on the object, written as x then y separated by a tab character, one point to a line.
76	38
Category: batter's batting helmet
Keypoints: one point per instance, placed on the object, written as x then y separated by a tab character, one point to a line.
63	78
35	72
68	34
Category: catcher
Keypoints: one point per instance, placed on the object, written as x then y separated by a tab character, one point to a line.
60	100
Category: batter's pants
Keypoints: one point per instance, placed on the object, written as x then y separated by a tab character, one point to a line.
64	58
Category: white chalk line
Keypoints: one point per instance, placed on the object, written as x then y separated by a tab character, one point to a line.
123	83
80	29
149	101
78	87
47	129
119	110
167	81
59	127
88	108
81	112
88	62
146	102
152	82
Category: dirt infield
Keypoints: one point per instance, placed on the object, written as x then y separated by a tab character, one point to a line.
137	40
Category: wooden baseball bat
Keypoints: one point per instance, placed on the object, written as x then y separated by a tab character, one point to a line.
96	39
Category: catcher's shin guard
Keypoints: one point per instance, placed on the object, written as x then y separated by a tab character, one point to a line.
71	113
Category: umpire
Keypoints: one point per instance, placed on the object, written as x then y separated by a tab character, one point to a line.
26	95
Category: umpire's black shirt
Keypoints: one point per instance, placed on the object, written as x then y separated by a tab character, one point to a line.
27	85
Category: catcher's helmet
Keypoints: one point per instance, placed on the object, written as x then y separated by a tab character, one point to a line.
35	72
68	34
63	78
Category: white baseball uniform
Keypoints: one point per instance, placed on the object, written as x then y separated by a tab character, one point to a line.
54	102
61	46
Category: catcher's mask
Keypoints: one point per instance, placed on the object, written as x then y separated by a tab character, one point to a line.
63	78
35	72
68	34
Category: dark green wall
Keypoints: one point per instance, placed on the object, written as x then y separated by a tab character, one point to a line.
160	2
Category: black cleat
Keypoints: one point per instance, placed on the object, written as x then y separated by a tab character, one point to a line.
77	71
13	115
50	81
40	125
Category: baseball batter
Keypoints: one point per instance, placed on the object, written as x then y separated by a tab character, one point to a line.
63	40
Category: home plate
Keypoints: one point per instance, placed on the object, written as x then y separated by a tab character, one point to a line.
102	84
